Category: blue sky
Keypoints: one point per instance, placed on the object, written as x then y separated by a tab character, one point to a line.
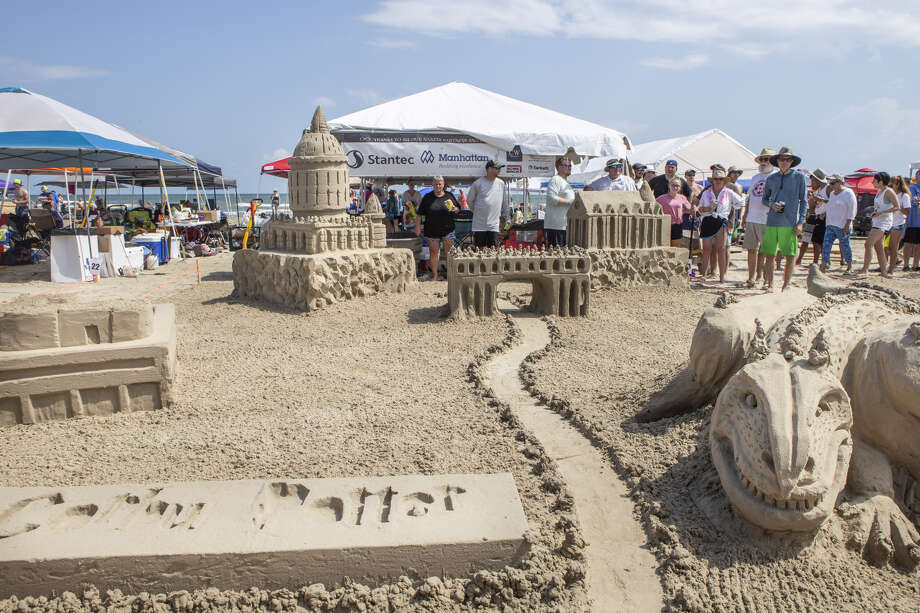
235	82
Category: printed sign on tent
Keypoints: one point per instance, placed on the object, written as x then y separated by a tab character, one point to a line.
422	154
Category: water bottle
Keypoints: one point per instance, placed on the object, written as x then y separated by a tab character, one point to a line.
782	205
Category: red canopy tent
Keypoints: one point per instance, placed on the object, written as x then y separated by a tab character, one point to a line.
861	181
278	168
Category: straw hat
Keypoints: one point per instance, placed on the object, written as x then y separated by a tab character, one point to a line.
819	175
835	178
766	152
718	173
796	160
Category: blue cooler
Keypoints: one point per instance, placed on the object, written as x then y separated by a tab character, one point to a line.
157	243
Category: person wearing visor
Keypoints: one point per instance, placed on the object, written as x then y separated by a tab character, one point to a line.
615	179
559	197
661	184
489	202
717	205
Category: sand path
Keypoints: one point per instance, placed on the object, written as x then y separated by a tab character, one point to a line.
621	570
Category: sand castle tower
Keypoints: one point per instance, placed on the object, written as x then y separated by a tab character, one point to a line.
319	254
318	181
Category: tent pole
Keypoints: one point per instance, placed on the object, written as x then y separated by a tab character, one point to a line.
196	177
66	188
6	184
169	216
82	184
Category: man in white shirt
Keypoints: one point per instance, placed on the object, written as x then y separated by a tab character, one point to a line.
488	200
615	179
840	210
559	197
755	216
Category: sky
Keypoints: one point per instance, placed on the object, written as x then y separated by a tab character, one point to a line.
235	82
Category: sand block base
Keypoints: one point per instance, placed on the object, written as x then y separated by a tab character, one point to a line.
624	268
269	534
87	362
309	282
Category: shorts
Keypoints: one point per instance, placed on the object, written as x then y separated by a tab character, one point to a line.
485	238
817	235
912	236
711	226
899	228
677	231
753	235
449	236
782	238
554	238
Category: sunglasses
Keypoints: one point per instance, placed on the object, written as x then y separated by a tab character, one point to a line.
615	166
784	158
566	165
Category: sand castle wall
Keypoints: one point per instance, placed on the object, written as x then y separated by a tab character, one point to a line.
312	282
72	363
560	278
271	534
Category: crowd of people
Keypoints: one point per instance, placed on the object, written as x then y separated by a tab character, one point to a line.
784	214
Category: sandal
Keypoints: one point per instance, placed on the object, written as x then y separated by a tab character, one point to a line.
749	284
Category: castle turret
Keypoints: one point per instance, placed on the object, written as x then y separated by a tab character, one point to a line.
318	181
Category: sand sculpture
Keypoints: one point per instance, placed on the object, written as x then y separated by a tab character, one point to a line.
320	254
627	239
92	361
615	239
560	277
825	399
273	534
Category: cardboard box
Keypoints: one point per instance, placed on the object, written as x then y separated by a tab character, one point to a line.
111	230
209	215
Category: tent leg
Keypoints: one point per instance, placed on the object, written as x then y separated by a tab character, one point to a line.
83	185
6	184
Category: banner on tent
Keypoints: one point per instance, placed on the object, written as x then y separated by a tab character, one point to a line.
426	154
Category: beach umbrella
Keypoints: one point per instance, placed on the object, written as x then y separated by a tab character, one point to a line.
40	132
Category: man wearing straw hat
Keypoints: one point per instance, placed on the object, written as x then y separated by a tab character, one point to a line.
755	216
784	192
615	179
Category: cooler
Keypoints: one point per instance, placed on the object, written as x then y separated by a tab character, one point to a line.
157	243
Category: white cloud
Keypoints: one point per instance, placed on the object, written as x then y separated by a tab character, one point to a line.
324	101
365	96
277	154
748	30
384	43
879	129
24	70
694	60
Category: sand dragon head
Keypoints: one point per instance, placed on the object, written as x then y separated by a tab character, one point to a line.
780	440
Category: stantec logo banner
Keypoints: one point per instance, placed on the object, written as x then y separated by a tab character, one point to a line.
472	157
451	158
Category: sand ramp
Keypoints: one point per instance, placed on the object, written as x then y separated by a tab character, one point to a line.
621	570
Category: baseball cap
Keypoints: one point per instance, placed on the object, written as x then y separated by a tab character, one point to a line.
671	163
17	181
638	166
494	164
732	169
689	171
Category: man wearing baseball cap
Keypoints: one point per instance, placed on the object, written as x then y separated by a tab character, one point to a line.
660	183
20	197
489	202
784	192
839	210
615	179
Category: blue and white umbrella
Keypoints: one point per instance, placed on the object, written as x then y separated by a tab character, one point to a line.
40	132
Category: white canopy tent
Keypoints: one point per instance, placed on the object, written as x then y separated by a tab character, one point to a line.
452	130
696	151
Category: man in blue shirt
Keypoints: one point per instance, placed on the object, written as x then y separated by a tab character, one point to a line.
784	192
912	233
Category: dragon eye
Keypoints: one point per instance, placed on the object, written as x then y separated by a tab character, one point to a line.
823	407
750	400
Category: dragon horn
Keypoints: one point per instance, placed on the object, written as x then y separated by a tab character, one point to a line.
758	349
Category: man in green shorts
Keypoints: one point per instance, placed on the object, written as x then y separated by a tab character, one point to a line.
784	192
